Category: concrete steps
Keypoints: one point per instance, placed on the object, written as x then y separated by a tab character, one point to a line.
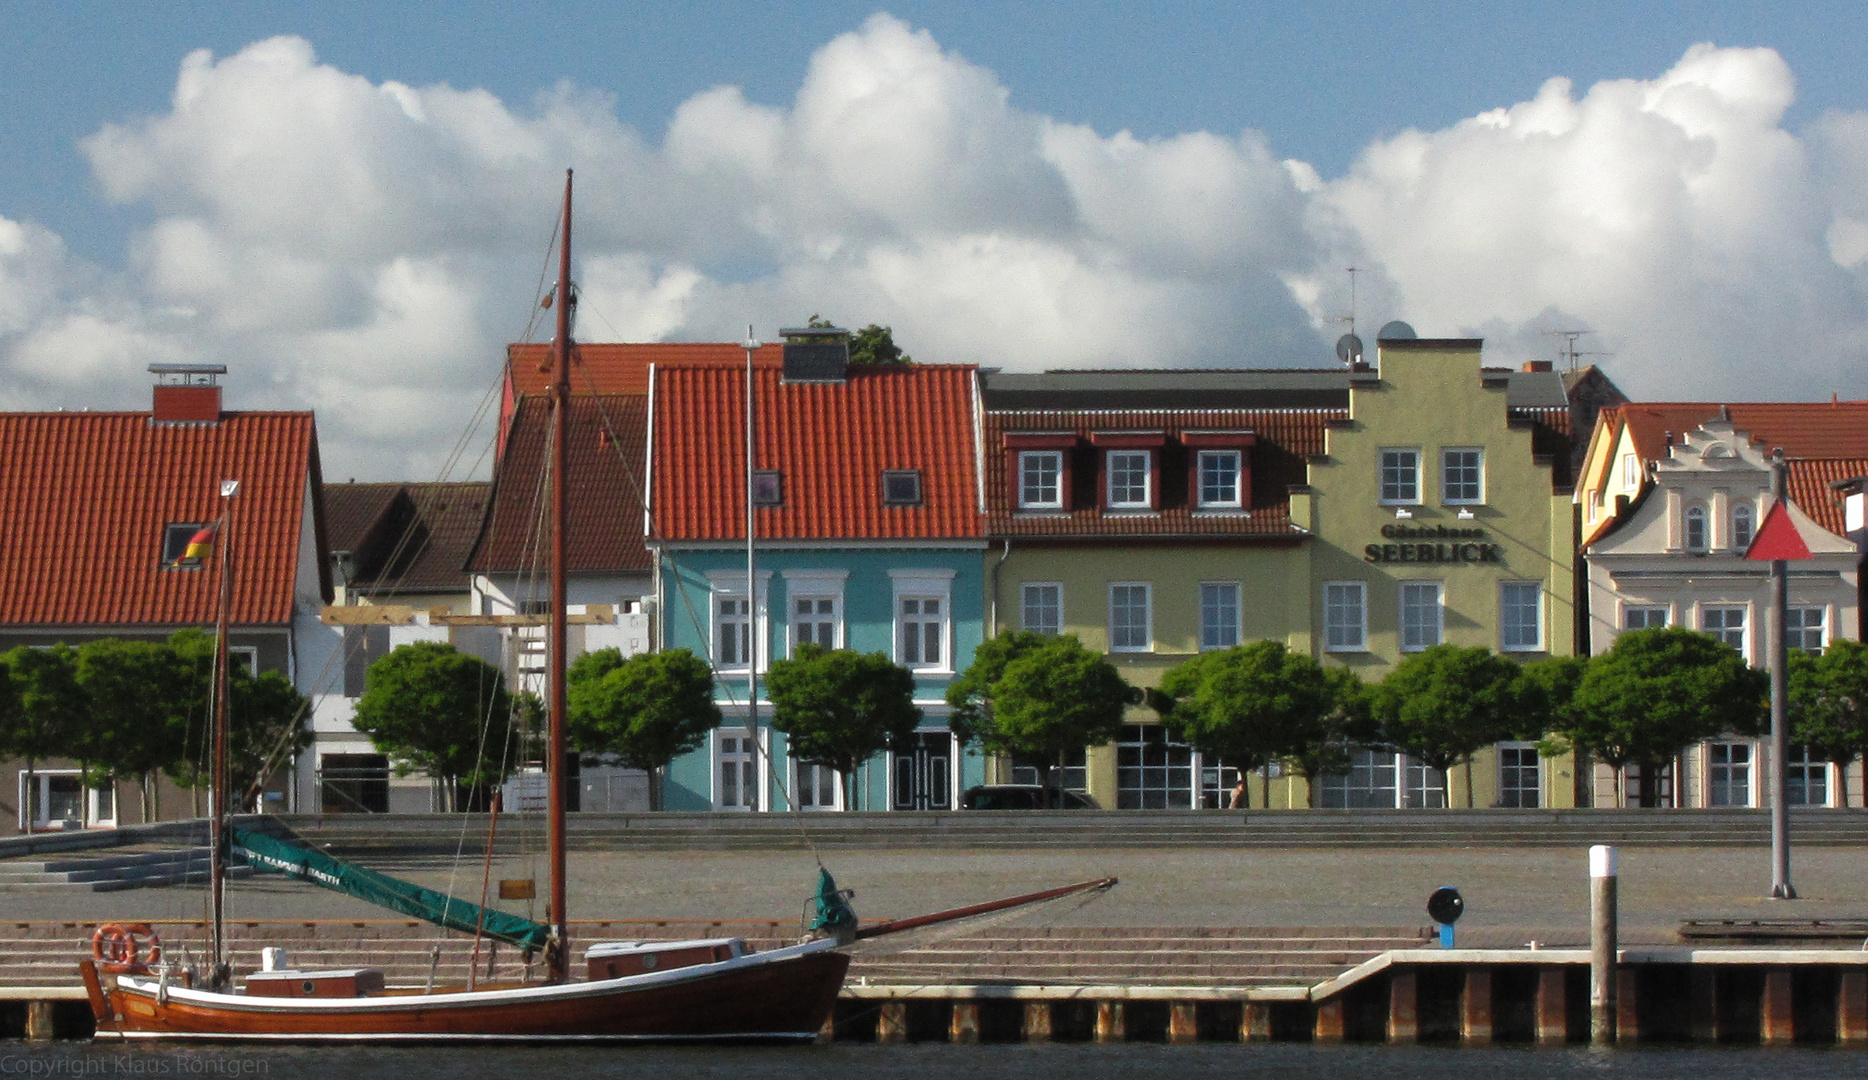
119	870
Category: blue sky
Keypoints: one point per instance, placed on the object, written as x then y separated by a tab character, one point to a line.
333	208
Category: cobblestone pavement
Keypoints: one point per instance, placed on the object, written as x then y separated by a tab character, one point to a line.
1510	894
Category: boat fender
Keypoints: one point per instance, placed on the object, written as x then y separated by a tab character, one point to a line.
117	947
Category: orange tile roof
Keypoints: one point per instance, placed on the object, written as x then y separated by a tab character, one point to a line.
1805	429
1808	483
622	368
831	441
1285	439
85	497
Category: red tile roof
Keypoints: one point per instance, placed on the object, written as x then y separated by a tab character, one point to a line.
1808	484
610	368
605	450
831	441
86	497
406	537
1285	439
1805	429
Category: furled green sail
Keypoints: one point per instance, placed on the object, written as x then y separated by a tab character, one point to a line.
439	908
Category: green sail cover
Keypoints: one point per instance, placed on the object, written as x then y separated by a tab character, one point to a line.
438	908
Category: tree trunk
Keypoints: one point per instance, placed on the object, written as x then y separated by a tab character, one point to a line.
32	793
848	782
1060	779
1469	781
655	787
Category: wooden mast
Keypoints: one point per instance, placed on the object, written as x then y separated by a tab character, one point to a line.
558	954
218	847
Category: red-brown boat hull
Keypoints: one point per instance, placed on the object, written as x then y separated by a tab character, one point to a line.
786	998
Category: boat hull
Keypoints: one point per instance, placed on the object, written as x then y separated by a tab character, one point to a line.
764	996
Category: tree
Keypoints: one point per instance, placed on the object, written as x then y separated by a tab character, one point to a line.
872	345
137	698
1442	705
1038	696
1829	702
644	711
265	722
49	711
1655	693
1246	706
839	707
1320	746
443	712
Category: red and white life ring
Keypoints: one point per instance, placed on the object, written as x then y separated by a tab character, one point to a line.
127	948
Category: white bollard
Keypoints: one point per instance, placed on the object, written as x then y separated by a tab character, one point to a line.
1603	870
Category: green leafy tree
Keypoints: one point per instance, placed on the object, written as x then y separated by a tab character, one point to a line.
839	707
1655	693
49	713
1246	706
440	711
1829	702
137	698
1320	746
1038	697
872	345
643	711
265	722
1444	704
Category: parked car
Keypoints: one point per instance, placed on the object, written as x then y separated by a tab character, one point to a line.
1020	797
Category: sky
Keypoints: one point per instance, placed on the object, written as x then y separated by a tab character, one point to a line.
350	204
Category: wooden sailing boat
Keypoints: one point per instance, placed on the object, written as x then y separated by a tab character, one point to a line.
715	988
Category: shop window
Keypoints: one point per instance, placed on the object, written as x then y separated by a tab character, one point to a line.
1042	607
1520	776
1127	479
1803	629
1040	480
1400	476
1025	770
1219	479
353	784
1696	529
1421	615
1345	616
1219	615
1153	772
1643	618
1725	622
1521	616
1806	778
1729	774
1368	783
1129	618
1741	526
1462	476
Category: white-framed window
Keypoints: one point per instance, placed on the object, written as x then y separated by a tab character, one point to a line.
1741	526
1345	616
815	620
1381	777
1631	471
1806	778
1130	617
1521	616
1421	615
732	626
1400	475
1728	774
1041	607
1696	528
1725	622
1803	629
1462	476
816	787
1520	775
1643	617
923	619
1219	614
736	771
58	796
1219	479
1127	479
1040	480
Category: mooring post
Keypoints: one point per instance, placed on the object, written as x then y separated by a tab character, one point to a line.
892	1022
1776	1021
1602	943
1403	1008
1553	1006
39	1021
1255	1022
1852	1008
963	1028
1183	1022
1475	1007
1037	1021
1627	1006
1111	1025
1328	1025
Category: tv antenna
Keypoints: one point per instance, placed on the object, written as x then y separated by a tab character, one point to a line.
1349	346
1568	353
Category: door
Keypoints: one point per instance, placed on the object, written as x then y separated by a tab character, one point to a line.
738	772
923	777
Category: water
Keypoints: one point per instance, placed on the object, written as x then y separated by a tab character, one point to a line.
930	1061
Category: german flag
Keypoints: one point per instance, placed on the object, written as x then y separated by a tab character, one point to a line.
201	544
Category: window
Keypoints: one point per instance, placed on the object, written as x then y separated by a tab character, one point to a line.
1420	615
1400	476
1345	616
1696	528
175	538
1727	623
815	787
1806	778
1128	479
1219	479
1741	527
768	487
738	758
1219	614
923	631
1519	777
1644	618
1729	770
1042	605
1040	480
1076	770
1153	772
901	487
1462	476
353	783
1521	616
732	632
814	621
1631	471
1128	618
1804	629
1423	787
1370	781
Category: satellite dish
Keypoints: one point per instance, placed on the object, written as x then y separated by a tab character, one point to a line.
1445	906
1349	349
1396	331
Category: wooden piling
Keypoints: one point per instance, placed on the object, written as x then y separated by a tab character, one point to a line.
1403	1008
1852	1008
1183	1022
39	1021
1111	1023
1328	1025
892	1022
1627	1007
1777	1025
1037	1021
1553	1007
1255	1022
963	1028
1702	991
1475	1007
1603	934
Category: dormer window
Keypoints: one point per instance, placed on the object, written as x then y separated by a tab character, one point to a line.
1219	479
901	487
1219	469
768	487
1041	480
1696	528
1128	479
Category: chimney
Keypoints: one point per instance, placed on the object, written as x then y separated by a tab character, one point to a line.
816	354
1533	366
187	393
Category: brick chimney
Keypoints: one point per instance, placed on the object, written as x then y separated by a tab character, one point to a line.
1536	365
187	393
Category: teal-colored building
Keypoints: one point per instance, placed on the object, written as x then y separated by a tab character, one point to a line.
869	536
